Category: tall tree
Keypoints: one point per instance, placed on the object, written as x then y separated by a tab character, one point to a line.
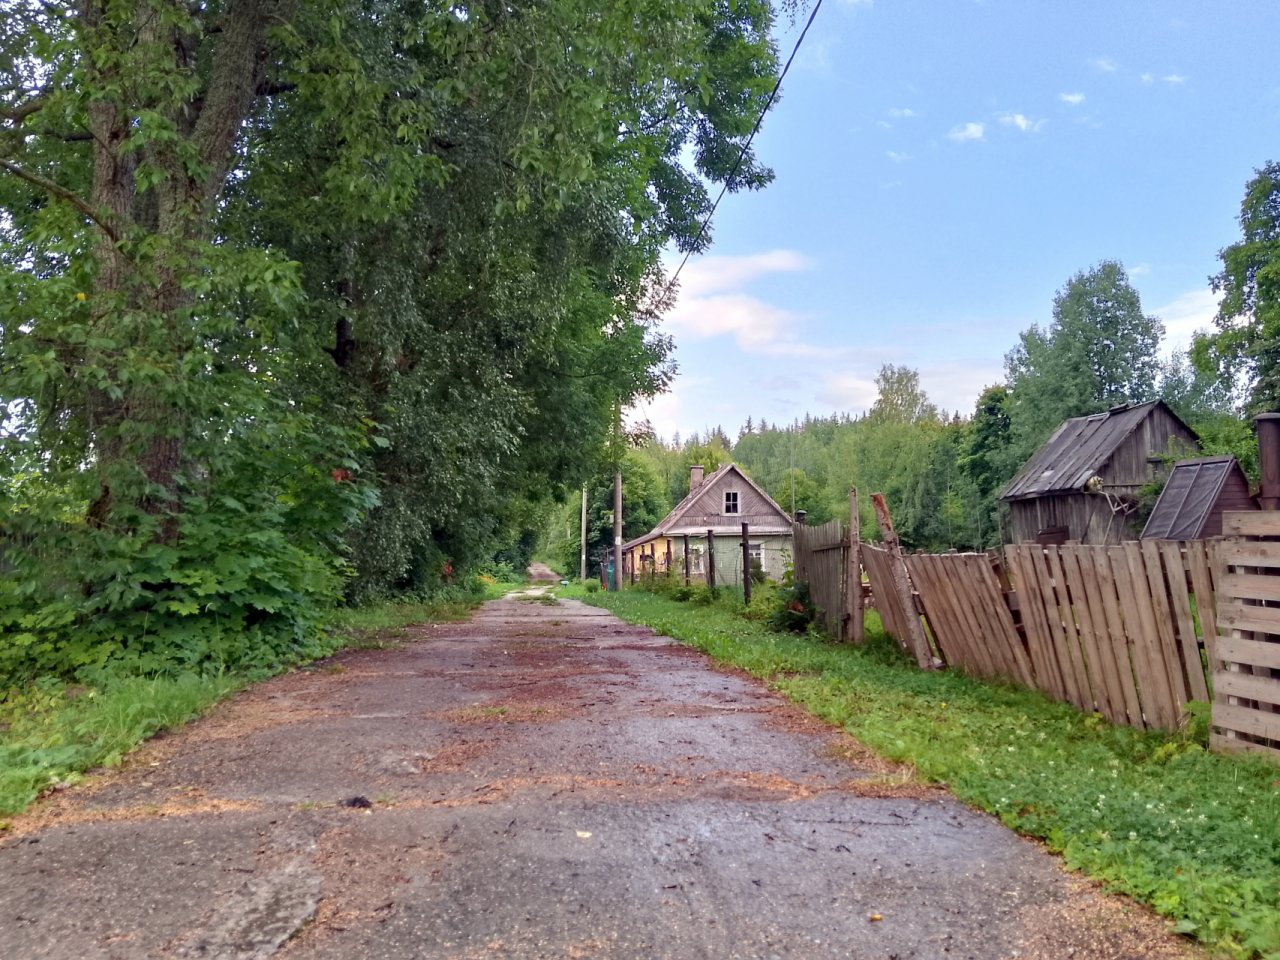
1100	350
1246	349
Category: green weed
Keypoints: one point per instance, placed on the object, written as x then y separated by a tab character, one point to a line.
1196	835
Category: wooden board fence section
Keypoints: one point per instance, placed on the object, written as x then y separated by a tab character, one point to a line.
1246	657
822	561
1112	629
879	565
967	613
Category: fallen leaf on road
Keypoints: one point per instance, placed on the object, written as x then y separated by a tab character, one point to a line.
584	834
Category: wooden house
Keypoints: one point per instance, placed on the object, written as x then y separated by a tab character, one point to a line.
1193	499
718	503
1083	484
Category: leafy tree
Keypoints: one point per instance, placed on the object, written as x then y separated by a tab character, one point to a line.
900	398
1100	350
1247	347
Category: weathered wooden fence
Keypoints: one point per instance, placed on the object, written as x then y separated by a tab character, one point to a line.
1111	629
1246	657
822	561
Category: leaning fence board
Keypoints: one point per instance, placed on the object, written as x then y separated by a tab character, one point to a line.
1180	609
1117	637
1044	664
1166	629
1108	699
1070	633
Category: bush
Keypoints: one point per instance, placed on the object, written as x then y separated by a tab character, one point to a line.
793	610
590	585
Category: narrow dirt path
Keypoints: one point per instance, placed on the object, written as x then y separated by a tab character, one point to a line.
544	781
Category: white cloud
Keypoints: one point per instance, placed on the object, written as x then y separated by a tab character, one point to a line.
967	131
884	124
712	302
902	113
1140	270
955	386
1103	64
1075	99
1021	121
1184	316
1174	80
852	392
1147	78
897	157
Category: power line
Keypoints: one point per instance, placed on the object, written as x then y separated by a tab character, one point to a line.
724	187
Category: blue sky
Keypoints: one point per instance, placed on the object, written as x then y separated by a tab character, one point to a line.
944	167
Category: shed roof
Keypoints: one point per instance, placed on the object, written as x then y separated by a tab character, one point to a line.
1188	498
671	523
1078	449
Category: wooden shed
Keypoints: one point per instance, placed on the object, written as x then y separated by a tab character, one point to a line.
1083	484
1197	491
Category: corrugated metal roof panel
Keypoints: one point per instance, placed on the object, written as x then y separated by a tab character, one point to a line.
1075	452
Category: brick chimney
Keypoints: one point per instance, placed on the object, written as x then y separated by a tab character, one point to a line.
695	478
1269	460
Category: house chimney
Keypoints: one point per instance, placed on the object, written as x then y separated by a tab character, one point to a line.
1269	459
695	478
801	516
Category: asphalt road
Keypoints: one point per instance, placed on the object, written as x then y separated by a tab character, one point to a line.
542	782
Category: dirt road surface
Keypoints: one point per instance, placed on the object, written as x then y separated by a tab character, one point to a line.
542	782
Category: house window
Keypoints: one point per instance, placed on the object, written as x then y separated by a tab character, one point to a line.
755	552
731	501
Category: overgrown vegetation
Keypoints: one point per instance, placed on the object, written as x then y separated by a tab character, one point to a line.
1193	834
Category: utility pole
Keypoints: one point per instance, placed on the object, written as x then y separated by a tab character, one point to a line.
617	529
582	541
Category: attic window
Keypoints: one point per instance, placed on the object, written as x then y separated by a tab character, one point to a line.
731	501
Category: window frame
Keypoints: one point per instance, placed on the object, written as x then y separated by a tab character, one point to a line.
737	504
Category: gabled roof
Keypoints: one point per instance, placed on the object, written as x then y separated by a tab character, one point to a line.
1189	497
671	523
1078	449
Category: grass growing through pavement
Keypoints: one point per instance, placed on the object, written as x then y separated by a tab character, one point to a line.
50	732
1194	834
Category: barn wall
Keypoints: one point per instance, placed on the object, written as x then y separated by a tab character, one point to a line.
1234	496
1130	467
1087	517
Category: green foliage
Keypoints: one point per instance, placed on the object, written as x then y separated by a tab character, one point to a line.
50	733
1193	834
1245	352
1099	351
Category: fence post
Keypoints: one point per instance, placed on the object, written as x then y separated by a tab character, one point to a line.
857	617
686	559
667	558
711	559
917	642
746	564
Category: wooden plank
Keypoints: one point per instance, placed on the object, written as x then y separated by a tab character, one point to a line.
1251	523
1084	594
976	622
1206	597
1234	615
1257	723
1247	686
1251	553
1257	653
1009	651
1170	654
990	621
1044	664
1153	681
918	642
853	577
1250	586
1118	641
1180	607
1056	636
934	589
1218	742
1070	637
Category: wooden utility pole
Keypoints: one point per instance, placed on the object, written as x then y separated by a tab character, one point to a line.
711	559
917	642
617	529
686	559
746	564
582	548
853	578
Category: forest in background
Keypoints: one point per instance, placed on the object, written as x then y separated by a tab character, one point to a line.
942	471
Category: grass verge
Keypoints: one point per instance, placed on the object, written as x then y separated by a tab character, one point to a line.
1193	834
50	733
